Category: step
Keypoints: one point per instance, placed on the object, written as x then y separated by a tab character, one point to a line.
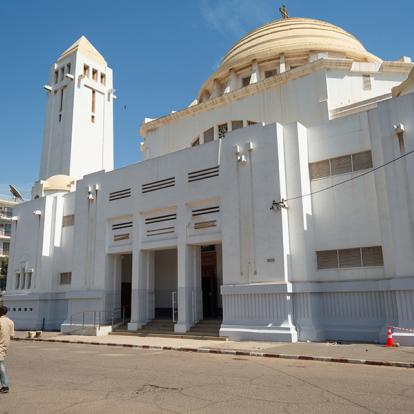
170	335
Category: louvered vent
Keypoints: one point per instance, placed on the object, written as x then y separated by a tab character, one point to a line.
372	256
205	224
203	174
327	259
168	229
362	160
206	210
159	219
341	165
158	185
117	195
319	169
119	237
348	258
119	226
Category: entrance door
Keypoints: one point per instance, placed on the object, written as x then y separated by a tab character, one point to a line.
209	281
126	284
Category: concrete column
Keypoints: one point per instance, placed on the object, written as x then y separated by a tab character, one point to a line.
255	77
282	64
216	89
233	82
185	287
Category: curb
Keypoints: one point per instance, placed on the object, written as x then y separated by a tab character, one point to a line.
234	352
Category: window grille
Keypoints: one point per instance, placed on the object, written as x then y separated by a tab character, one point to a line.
160	219
327	259
65	278
222	130
205	210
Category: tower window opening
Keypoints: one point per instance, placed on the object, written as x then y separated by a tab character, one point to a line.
62	73
61	100
56	76
86	71
93	119
94	74
103	78
68	68
93	101
366	82
246	81
270	73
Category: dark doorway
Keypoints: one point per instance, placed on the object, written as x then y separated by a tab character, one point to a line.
209	283
126	284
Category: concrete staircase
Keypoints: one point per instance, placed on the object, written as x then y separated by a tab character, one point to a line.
207	329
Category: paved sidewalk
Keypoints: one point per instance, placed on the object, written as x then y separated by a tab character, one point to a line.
369	354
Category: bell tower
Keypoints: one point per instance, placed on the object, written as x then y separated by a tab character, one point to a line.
78	132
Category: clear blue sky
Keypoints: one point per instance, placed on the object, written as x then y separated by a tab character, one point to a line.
161	51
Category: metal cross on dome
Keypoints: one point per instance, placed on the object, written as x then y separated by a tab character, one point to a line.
284	12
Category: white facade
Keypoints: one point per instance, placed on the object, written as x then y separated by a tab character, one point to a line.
334	265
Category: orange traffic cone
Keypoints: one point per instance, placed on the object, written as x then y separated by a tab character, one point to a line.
390	341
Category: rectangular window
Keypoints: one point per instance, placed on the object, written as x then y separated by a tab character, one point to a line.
94	74
366	82
86	70
61	100
222	130
362	160
6	248
236	125
65	278
341	165
68	68
103	78
56	77
68	220
270	73
246	81
62	73
319	169
209	135
93	119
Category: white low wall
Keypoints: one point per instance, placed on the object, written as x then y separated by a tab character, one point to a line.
350	311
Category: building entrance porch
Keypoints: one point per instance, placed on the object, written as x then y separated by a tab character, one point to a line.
178	286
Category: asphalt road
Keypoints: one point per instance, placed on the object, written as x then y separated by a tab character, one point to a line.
69	378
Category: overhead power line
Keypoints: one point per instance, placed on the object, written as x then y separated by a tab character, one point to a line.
350	179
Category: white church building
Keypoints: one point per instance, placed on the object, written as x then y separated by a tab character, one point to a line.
265	204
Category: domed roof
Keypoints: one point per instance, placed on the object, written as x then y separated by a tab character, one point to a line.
297	39
296	36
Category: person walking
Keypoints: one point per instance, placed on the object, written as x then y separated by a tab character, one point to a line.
6	333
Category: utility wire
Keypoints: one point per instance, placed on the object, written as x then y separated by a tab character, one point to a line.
350	179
